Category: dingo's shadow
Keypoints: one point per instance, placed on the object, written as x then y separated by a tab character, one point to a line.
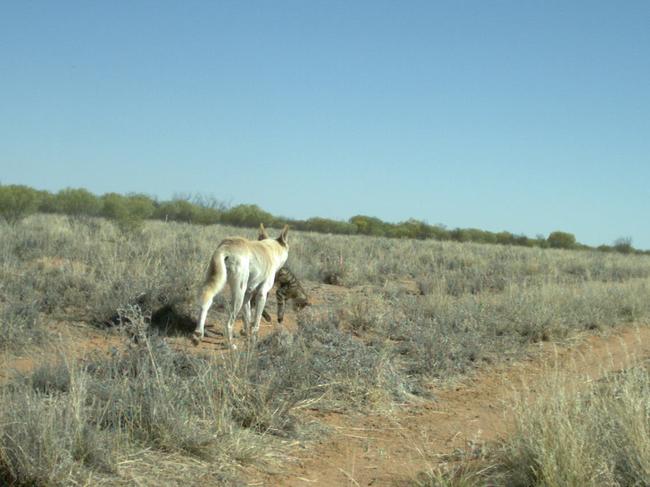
170	320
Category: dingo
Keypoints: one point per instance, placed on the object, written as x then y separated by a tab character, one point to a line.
249	266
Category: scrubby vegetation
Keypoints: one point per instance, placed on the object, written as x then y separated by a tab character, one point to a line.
130	211
76	422
73	422
413	312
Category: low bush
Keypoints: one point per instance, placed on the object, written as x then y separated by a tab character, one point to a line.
325	366
17	202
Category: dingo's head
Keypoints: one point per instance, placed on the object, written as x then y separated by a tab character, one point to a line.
282	239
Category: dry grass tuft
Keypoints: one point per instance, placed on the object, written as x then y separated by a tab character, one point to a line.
575	432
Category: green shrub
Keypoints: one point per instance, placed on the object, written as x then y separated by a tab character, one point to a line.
325	225
77	202
247	215
624	245
208	211
561	240
368	225
176	210
17	202
128	212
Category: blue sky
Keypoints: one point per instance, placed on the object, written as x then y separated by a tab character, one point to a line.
501	115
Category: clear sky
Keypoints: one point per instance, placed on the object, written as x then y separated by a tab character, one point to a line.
526	116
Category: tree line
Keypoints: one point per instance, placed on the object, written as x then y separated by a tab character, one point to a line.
131	210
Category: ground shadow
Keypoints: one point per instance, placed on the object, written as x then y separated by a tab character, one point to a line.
171	320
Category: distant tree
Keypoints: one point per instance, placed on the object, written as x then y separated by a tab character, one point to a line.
411	228
17	202
561	240
540	241
459	235
326	225
176	210
140	205
211	202
623	245
208	209
46	202
505	238
206	216
77	202
439	232
522	240
368	225
128	212
247	216
112	205
480	236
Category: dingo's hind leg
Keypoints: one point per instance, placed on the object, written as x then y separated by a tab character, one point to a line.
200	331
214	282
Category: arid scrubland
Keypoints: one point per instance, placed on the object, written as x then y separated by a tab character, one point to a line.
576	431
403	314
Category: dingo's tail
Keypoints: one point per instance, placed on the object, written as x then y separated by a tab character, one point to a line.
215	278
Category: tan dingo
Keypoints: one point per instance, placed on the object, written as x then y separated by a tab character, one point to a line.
249	266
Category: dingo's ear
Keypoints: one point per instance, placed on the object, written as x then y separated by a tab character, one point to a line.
283	236
261	234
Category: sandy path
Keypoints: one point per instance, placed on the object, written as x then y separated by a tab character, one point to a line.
380	450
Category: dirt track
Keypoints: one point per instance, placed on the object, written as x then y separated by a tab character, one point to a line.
381	450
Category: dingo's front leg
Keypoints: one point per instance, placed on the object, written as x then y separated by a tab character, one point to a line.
260	303
246	308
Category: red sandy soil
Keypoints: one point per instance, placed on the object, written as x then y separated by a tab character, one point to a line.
393	447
